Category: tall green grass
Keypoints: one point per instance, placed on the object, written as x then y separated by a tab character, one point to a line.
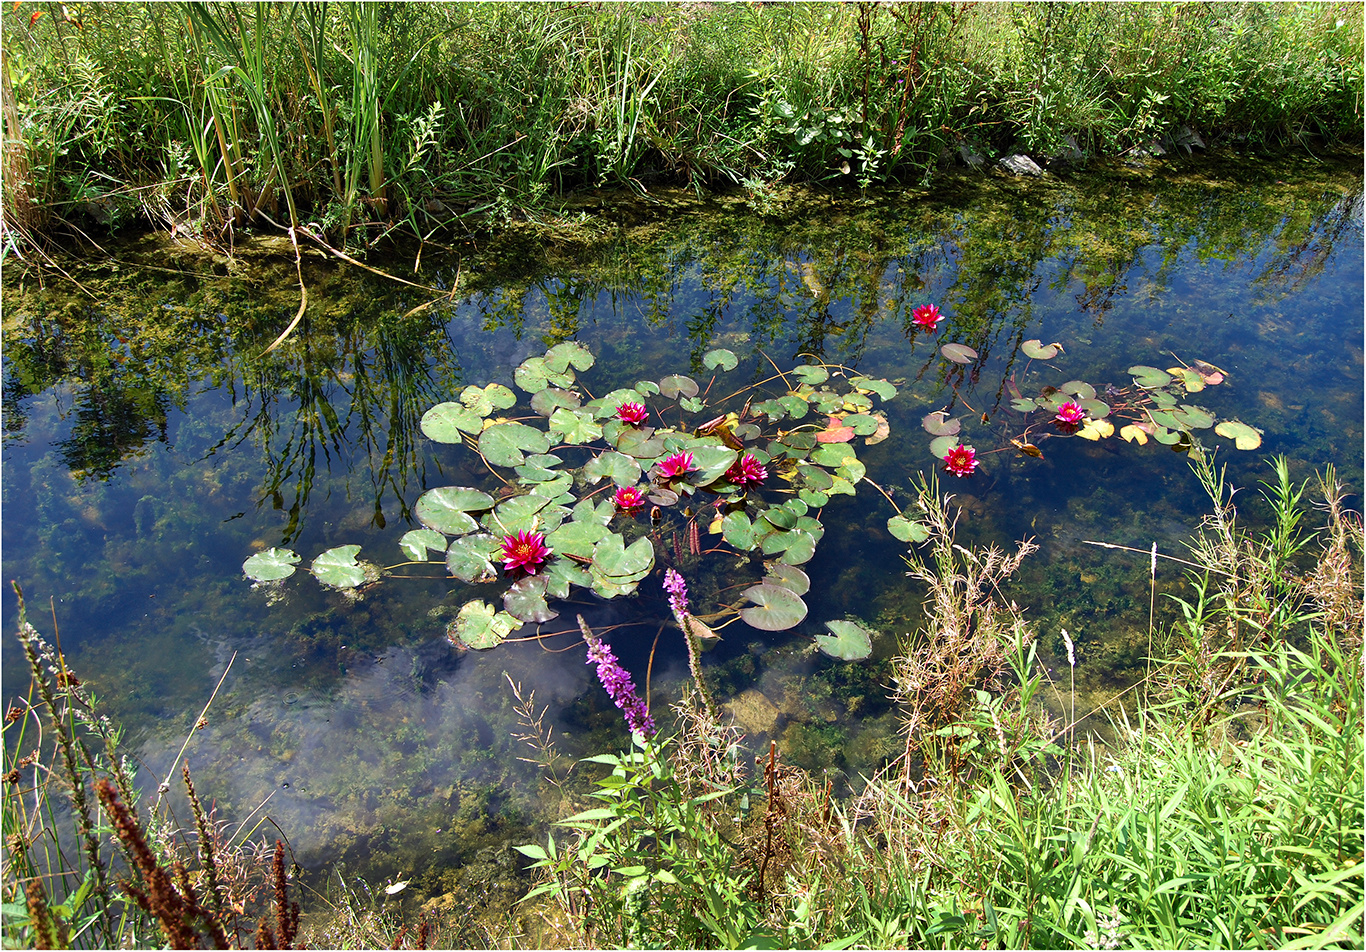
353	117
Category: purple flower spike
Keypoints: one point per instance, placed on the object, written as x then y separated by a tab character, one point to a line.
616	681
678	593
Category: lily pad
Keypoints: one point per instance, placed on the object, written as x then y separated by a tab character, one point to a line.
576	538
446	421
1096	430
620	564
959	353
711	462
849	641
1134	434
516	514
940	446
738	531
1149	378
470	558
484	400
832	454
676	385
835	432
880	432
779	518
795	405
569	353
1243	436
533	375
576	426
1038	350
939	424
416	542
478	626
1080	389
801	547
1096	409
622	469
504	444
776	608
880	387
448	508
271	565
1197	418
1024	405
546	401
525	600
812	374
641	444
720	359
337	567
1192	380
560	574
789	577
906	530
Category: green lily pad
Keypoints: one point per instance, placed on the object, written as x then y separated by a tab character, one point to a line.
470	558
337	567
576	538
504	444
477	626
1197	418
826	401
620	564
525	600
906	530
882	388
446	421
789	577
863	424
416	542
850	469
812	374
801	547
939	424
622	469
1024	405
776	608
599	512
813	477
839	486
1165	418
1167	437
1164	399
569	353
484	400
1150	378
712	463
545	402
692	404
640	443
516	514
676	385
1038	350
849	641
1079	389
720	359
813	498
1243	436
832	454
447	508
538	468
959	353
271	565
940	446
857	403
780	518
560	574
576	426
1095	409
533	376
795	405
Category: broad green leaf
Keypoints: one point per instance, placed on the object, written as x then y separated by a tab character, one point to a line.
484	400
676	385
546	401
856	403
789	577
622	469
1243	436
1149	378
1134	434
781	518
832	454
446	421
839	486
577	426
532	375
801	548
560	574
600	511
796	507
880	387
553	488
271	565
1079	388
813	498
337	567
1193	381
416	542
1164	399
1167	437
504	444
525	600
826	401
1024	404
795	405
737	530
712	463
939	424
640	443
447	509
692	404
470	558
907	531
776	608
940	446
863	424
1197	418
720	359
1096	409
538	468
576	538
569	353
1038	350
516	514
849	641
478	626
618	564
851	469
813	477
1165	418
605	407
812	374
774	410
959	353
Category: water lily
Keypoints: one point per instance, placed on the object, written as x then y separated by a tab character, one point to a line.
628	499
1069	414
672	467
747	471
926	316
961	460
632	413
524	551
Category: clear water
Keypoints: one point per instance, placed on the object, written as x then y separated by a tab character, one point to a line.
149	450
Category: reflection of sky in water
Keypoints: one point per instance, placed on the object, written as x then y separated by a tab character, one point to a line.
357	720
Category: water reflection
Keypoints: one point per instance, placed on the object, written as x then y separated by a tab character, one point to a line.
149	450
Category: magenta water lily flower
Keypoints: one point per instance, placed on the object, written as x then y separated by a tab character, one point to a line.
628	499
524	551
1069	414
961	460
632	413
926	316
747	471
672	467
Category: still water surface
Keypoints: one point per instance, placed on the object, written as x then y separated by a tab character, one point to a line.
149	450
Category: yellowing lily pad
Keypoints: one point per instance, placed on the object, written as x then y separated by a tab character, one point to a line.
1134	434
1243	436
1096	430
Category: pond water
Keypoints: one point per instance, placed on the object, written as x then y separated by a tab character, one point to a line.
149	449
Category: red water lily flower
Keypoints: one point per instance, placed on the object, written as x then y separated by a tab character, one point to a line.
628	499
926	316
1069	414
747	471
632	413
672	467
524	551
961	460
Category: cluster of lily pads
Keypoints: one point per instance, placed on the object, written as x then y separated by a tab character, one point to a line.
584	490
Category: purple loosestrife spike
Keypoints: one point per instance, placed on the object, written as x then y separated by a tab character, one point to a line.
678	594
616	681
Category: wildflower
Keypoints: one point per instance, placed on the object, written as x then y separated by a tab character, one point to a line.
1069	414
632	413
961	460
927	316
628	499
747	471
678	594
616	681
672	467
524	550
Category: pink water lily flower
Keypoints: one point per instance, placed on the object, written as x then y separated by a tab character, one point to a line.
632	413
747	471
926	316
628	499
524	551
672	467
1069	414
961	460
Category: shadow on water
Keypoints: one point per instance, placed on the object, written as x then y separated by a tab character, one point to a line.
149	449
